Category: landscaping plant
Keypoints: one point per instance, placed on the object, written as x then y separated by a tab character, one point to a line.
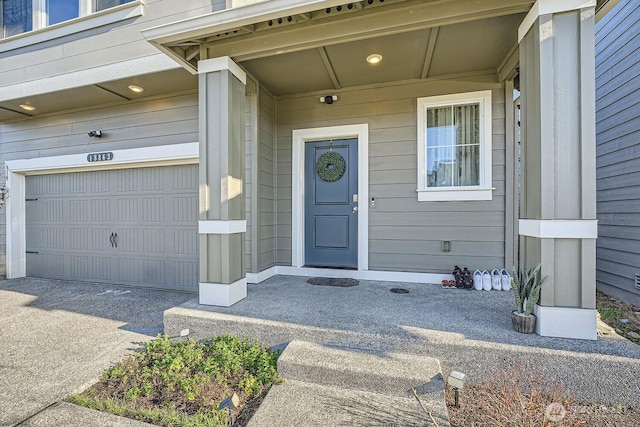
183	383
526	289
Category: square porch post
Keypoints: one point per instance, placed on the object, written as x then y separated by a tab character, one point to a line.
558	224
222	225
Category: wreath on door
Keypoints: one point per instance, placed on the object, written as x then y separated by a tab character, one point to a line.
330	166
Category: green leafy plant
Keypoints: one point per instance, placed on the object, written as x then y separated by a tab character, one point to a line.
182	383
527	284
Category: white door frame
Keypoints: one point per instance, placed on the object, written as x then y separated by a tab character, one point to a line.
17	170
299	137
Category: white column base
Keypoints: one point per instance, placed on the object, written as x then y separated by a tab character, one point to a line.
221	294
563	322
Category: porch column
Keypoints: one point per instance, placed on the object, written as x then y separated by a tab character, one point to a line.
222	224
558	205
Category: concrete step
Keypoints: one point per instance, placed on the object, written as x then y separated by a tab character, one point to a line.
393	374
302	404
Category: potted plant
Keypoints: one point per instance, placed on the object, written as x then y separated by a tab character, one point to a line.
526	288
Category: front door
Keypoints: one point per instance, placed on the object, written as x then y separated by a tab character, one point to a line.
331	203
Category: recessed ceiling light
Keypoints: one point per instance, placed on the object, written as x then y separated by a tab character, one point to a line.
374	59
136	89
27	107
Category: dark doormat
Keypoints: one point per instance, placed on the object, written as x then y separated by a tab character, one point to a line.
339	282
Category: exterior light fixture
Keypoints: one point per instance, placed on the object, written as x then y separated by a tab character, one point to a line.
136	89
27	107
328	99
456	380
374	58
95	134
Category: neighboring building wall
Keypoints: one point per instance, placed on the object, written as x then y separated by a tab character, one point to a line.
404	234
618	150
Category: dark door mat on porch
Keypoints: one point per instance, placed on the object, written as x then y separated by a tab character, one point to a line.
339	282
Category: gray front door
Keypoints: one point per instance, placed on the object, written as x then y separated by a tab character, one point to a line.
131	226
331	218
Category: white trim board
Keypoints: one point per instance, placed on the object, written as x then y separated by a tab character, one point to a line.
16	258
566	322
380	276
222	63
558	229
222	226
222	294
299	137
548	7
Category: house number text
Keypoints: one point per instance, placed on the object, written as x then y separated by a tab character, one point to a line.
100	157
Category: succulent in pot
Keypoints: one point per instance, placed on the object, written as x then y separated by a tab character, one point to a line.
527	284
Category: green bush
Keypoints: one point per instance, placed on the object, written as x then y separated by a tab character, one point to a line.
182	383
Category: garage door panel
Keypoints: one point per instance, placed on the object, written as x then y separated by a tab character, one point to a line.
152	211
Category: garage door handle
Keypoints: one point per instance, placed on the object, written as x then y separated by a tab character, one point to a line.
115	239
111	240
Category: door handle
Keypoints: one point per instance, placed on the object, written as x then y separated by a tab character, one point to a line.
355	209
111	240
115	239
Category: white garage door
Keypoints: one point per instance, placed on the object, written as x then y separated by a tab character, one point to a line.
131	226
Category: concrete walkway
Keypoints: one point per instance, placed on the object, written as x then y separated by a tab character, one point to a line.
56	338
467	331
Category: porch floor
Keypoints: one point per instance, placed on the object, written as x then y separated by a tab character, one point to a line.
468	331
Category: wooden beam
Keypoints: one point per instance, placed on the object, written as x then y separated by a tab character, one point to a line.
507	69
329	67
433	37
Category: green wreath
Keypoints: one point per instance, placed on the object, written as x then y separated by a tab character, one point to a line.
330	166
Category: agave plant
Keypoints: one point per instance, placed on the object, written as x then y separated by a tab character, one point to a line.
526	288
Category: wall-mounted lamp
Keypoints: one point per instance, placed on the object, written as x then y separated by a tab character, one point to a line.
328	99
95	134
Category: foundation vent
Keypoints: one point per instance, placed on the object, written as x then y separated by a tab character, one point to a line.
637	281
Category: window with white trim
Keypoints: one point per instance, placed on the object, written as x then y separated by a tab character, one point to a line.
21	16
454	147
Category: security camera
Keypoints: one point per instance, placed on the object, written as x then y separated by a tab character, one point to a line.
95	134
328	99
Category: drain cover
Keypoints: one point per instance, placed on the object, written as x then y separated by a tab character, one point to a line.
399	291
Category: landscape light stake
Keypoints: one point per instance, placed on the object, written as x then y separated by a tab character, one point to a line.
456	380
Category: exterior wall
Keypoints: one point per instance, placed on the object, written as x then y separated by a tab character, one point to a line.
103	45
618	150
266	172
404	234
136	124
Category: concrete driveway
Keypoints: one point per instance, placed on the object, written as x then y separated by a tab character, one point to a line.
56	337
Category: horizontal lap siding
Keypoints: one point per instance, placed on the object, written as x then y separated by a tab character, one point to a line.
618	146
137	124
266	178
404	234
98	46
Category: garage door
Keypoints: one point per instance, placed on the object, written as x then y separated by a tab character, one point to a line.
130	226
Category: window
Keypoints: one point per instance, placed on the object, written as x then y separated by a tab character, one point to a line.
21	16
16	17
62	10
454	147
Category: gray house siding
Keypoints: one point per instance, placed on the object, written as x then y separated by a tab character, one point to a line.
404	234
266	198
618	150
102	45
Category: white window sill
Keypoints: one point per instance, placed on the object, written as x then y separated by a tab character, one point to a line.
83	23
450	194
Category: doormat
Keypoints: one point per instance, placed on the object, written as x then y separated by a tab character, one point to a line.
339	282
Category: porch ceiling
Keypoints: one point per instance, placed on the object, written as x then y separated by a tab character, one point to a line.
322	45
155	84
